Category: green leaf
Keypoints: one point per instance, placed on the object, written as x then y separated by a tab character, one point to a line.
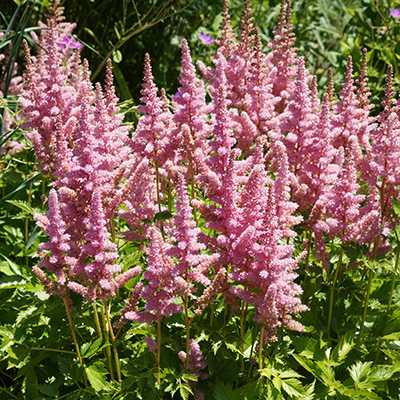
11	282
48	390
10	268
359	370
96	374
162	216
310	366
293	387
25	206
343	348
396	207
70	369
185	390
381	373
94	346
225	392
117	56
31	391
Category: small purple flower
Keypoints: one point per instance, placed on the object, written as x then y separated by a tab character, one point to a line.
176	96
69	43
395	13
206	39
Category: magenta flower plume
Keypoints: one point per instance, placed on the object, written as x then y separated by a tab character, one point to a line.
351	118
381	163
191	110
97	276
151	138
192	266
160	292
196	361
299	123
50	96
283	56
54	253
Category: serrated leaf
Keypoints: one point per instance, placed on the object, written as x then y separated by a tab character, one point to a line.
91	348
359	370
293	387
96	374
310	366
327	373
381	373
70	369
343	348
12	282
47	390
225	392
215	346
25	206
185	390
289	373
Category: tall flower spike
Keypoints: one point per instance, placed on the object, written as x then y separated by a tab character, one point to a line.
246	30
160	292
351	118
381	163
100	277
283	56
190	109
54	253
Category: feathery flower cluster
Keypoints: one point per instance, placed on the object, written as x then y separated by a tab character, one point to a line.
79	140
246	166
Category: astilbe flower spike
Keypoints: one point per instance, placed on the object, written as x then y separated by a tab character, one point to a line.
283	56
192	266
160	292
96	274
54	253
49	92
298	126
351	118
195	359
190	113
381	163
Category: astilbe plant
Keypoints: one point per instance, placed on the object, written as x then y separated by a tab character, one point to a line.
210	192
50	94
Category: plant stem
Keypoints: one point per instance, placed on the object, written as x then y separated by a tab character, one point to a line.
72	327
159	197
260	349
114	346
97	321
332	288
370	277
159	351
396	265
369	284
9	393
242	332
106	334
185	302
